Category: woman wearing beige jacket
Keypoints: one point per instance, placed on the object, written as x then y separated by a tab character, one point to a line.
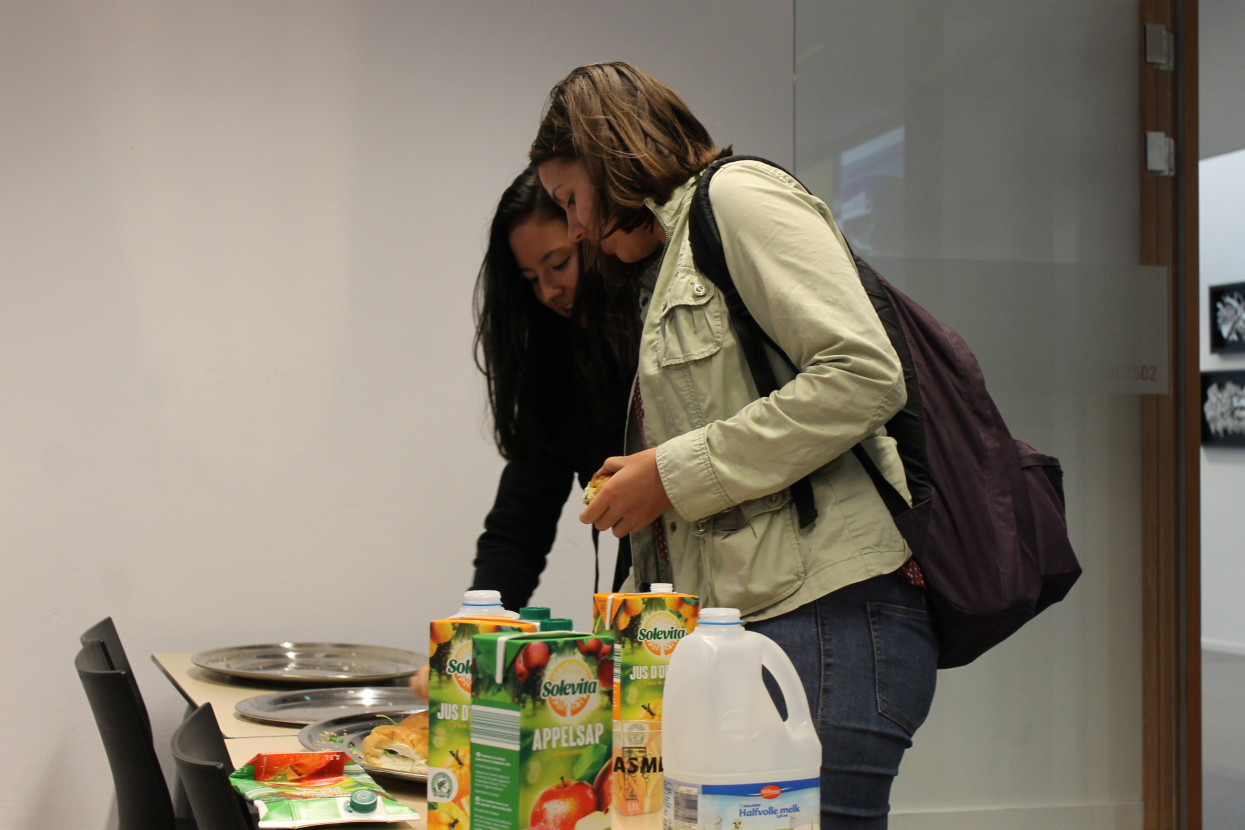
702	489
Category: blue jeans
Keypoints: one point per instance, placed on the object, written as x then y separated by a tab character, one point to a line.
867	656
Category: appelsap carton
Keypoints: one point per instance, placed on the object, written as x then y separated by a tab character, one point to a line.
646	628
449	714
541	732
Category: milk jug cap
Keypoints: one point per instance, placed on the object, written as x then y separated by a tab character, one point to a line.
719	616
661	588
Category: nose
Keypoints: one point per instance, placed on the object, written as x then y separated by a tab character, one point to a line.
550	289
574	228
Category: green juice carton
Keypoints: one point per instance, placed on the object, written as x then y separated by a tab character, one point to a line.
449	714
541	731
646	628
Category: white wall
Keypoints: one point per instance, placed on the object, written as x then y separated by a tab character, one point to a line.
238	246
1221	210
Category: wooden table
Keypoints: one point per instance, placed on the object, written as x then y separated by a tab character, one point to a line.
245	738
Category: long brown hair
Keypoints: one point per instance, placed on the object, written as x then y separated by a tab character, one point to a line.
635	137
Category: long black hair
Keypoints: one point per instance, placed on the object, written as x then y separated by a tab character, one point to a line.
547	374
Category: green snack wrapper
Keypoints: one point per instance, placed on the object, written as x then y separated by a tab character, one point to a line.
306	789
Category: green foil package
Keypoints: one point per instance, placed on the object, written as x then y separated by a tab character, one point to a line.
307	789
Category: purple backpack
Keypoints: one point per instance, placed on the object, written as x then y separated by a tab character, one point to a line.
987	523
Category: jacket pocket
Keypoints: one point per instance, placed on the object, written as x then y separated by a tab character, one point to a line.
692	321
753	554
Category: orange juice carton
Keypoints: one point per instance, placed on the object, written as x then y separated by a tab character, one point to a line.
646	628
541	731
449	713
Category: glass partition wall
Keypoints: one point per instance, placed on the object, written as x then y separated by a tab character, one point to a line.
984	156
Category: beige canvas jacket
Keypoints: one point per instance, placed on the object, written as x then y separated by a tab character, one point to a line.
727	457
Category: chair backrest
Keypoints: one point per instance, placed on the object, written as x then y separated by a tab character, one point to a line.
143	801
204	765
105	633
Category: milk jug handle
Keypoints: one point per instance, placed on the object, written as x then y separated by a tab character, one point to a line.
779	665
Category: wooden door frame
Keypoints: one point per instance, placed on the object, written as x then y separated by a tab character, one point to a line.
1171	515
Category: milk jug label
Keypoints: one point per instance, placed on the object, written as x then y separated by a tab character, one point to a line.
766	805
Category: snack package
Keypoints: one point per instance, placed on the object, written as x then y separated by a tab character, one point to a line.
541	733
307	789
645	629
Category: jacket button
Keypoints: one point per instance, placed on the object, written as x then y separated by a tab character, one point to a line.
674	526
774	498
700	527
698	289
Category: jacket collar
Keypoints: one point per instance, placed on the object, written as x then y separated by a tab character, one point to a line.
669	212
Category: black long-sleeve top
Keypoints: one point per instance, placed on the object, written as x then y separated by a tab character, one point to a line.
520	528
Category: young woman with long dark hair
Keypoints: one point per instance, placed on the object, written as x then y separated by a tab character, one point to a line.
557	386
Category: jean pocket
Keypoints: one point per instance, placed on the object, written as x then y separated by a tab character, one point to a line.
905	654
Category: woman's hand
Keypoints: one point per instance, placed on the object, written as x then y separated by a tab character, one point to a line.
633	497
419	684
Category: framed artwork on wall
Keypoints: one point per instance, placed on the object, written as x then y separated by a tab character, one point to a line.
1223	409
1227	317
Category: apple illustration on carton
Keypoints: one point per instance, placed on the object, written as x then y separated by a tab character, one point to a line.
562	805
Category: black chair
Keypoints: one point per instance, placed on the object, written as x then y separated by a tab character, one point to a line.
204	766
143	801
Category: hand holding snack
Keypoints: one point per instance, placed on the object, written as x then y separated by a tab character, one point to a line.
594	486
636	496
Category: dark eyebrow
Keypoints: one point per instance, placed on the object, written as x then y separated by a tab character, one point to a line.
551	254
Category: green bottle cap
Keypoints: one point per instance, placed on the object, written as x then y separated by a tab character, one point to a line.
534	612
557	624
363	801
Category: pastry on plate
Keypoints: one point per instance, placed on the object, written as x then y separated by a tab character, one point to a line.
399	746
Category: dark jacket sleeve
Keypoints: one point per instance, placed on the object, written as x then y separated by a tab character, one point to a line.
520	529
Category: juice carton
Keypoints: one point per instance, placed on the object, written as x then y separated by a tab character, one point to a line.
541	731
646	629
449	714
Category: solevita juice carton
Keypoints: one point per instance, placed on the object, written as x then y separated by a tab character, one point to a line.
646	628
541	733
449	714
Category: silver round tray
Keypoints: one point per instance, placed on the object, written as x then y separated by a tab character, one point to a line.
303	706
311	662
347	733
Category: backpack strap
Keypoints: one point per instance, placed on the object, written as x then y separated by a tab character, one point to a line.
710	258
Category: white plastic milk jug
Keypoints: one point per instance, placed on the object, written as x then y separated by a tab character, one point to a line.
731	762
